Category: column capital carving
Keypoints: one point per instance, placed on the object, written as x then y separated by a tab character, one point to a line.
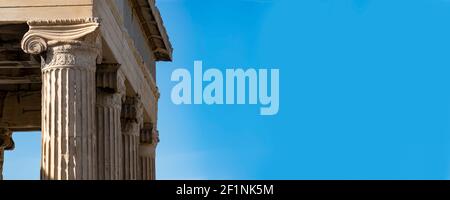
149	135
109	100
155	138
110	79
6	141
66	34
132	115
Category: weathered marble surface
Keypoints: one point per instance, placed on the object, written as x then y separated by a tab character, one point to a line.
83	73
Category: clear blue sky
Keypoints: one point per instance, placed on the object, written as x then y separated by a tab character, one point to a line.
365	92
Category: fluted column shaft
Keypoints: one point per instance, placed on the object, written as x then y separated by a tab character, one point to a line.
68	105
110	92
131	126
70	51
147	162
130	152
149	139
109	135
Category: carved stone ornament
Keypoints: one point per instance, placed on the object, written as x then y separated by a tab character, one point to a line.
72	32
6	141
155	138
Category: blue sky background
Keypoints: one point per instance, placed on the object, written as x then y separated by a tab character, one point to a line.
364	92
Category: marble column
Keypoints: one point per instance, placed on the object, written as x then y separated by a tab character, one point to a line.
149	139
70	50
6	143
132	118
110	91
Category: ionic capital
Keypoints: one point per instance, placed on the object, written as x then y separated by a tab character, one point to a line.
110	78
149	135
132	115
66	34
132	109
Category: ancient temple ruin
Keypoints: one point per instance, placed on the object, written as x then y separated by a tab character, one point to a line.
83	73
